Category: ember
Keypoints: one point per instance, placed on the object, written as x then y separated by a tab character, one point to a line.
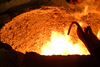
44	30
51	36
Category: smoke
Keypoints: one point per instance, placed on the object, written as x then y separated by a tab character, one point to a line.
91	4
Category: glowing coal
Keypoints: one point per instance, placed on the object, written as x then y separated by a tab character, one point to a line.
41	31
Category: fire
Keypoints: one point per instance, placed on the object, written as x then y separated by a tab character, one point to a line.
98	35
62	45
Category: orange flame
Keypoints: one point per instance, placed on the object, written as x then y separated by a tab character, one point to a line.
62	45
98	35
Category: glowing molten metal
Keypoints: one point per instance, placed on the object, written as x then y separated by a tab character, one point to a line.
62	45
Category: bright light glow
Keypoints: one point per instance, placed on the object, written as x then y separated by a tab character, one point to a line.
98	35
62	45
